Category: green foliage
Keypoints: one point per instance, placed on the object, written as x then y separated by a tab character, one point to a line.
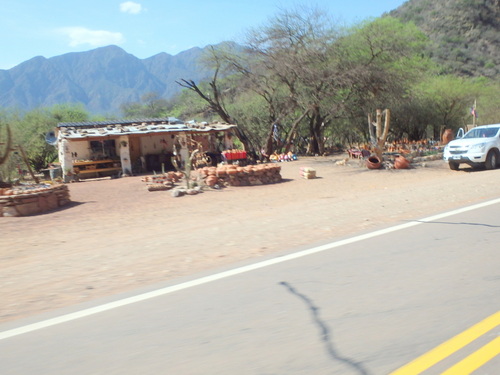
29	130
301	66
249	108
464	33
188	106
151	105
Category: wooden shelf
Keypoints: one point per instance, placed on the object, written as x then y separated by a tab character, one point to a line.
94	168
89	171
80	163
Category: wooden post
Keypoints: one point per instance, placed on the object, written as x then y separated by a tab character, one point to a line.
25	158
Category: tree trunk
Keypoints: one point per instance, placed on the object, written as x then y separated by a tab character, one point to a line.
379	137
316	142
216	105
293	132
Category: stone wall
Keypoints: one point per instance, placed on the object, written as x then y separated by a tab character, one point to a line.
18	202
232	175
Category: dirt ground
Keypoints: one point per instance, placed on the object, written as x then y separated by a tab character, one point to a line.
116	236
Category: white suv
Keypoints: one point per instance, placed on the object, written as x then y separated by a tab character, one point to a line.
480	146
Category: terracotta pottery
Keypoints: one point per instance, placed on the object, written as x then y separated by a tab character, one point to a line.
373	162
211	180
221	172
447	136
400	162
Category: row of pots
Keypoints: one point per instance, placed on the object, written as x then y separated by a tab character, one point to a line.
230	169
400	162
169	176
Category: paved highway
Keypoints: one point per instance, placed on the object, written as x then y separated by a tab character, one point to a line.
426	290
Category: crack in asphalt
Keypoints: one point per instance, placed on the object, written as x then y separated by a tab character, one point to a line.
326	334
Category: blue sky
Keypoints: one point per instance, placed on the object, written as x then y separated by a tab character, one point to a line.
48	28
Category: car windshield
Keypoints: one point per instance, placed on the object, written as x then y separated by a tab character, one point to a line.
482	133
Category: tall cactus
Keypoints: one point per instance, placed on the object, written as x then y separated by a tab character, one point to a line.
4	151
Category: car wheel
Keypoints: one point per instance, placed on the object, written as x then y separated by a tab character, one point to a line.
454	165
491	160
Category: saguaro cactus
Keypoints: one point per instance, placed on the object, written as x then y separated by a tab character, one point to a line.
7	146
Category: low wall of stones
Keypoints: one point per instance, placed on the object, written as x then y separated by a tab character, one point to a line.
25	202
232	175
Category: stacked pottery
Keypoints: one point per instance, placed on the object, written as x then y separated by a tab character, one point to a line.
211	180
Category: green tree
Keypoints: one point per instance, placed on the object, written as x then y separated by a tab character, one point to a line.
450	99
382	60
151	105
30	129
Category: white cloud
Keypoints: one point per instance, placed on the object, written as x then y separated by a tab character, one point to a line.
130	7
95	38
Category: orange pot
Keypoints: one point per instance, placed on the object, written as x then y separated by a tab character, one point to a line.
447	136
400	162
211	180
373	162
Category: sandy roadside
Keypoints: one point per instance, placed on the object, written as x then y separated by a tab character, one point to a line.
117	236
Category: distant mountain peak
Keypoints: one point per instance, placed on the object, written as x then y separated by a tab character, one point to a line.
102	79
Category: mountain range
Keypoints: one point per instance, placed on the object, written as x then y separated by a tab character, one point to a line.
102	79
464	35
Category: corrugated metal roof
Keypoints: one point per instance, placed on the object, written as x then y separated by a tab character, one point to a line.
165	120
85	130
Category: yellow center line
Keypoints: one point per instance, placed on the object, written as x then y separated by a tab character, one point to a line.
449	347
476	359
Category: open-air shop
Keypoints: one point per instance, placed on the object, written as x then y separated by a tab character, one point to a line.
128	147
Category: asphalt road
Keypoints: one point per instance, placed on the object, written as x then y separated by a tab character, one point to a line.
364	305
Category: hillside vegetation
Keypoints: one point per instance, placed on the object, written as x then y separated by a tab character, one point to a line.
465	34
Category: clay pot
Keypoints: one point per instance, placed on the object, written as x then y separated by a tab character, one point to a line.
400	162
211	180
447	136
373	162
221	172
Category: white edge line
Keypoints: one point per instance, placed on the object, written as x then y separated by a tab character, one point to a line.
207	279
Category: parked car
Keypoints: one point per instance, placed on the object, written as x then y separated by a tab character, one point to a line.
479	147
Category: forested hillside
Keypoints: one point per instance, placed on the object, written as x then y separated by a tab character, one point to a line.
465	33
